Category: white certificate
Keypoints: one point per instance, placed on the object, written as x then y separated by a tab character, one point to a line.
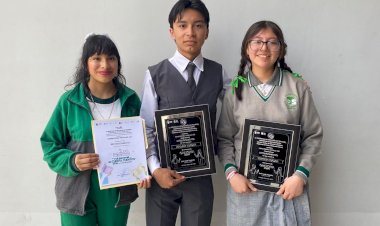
121	145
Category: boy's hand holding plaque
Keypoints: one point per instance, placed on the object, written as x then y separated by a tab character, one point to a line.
185	140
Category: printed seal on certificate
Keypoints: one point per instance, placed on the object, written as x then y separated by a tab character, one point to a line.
185	140
269	153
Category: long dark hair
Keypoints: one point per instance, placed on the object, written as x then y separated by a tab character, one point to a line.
252	31
96	44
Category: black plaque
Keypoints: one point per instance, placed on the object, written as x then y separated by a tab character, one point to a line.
185	140
269	153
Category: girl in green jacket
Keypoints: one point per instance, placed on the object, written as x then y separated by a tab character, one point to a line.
98	93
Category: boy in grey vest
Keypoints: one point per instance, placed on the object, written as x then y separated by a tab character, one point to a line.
169	84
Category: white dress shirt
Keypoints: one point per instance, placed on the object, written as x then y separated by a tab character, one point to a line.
149	102
265	88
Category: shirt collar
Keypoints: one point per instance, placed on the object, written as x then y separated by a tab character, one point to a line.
182	61
276	79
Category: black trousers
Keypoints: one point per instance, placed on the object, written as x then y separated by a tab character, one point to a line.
194	197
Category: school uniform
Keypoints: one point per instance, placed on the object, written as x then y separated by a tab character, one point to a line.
68	133
165	86
285	99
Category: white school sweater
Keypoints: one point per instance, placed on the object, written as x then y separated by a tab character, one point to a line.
290	101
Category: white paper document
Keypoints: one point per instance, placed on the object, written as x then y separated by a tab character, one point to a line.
121	145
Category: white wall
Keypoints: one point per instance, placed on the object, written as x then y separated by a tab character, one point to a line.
334	44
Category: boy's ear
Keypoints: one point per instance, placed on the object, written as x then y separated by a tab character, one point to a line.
171	31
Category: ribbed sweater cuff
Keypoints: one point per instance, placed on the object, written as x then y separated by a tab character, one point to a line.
303	173
228	168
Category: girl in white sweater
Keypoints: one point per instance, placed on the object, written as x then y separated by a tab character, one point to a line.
267	90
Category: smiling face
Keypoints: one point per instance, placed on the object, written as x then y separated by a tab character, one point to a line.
189	33
263	58
102	69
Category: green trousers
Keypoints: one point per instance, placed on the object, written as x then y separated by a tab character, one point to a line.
100	208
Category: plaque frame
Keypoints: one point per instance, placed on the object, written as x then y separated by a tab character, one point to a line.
200	112
254	128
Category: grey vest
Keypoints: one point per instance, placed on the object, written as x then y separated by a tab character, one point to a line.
172	89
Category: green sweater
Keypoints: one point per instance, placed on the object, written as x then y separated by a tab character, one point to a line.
68	132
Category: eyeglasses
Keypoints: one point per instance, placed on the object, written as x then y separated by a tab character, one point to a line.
272	45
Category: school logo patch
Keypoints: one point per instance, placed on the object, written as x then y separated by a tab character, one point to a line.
291	101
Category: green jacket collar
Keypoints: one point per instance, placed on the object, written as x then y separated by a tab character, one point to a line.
78	95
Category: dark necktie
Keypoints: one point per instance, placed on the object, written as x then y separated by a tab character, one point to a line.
190	72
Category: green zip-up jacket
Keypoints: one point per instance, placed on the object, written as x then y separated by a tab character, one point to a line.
68	132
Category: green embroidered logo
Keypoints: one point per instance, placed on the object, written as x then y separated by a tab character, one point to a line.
235	82
291	101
